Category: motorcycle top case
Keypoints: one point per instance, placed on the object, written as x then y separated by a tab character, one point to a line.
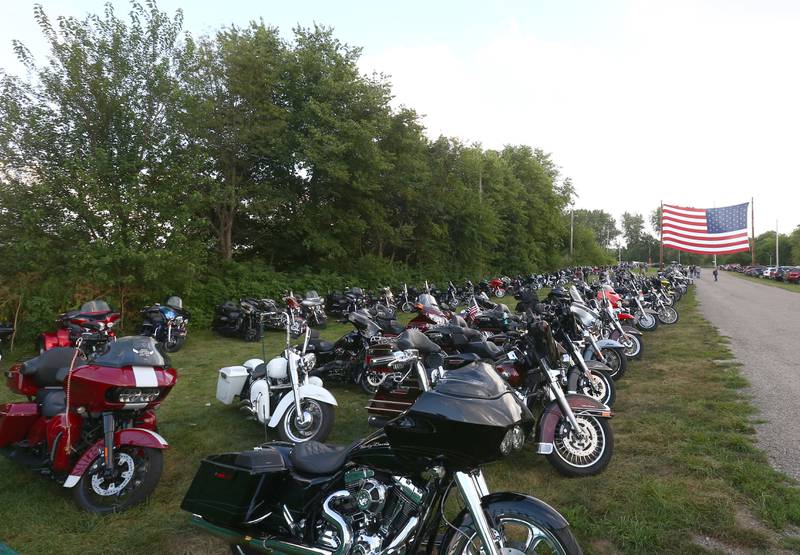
230	383
462	420
232	488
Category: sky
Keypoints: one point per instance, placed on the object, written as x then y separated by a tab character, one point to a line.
689	102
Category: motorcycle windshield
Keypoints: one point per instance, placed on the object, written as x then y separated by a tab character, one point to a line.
428	301
175	302
364	323
131	351
312	295
96	305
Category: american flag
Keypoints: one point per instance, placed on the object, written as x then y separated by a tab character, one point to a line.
706	231
473	309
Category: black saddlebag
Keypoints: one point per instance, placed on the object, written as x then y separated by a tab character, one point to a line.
233	488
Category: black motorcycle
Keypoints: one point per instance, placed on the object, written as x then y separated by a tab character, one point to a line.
343	361
386	493
166	323
342	303
313	309
242	319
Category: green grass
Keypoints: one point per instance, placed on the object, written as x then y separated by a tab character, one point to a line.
781	284
685	464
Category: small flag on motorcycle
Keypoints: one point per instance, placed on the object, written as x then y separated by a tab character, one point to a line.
473	310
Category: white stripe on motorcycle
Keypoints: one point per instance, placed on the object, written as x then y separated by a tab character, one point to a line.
145	376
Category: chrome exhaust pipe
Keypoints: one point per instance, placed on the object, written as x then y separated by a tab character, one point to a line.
263	545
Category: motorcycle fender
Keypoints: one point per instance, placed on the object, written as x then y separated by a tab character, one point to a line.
128	436
580	404
597	365
505	502
610	343
631	330
311	391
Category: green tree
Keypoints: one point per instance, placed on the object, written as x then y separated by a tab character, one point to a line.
602	224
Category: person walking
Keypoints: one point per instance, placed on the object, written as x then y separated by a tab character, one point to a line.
716	273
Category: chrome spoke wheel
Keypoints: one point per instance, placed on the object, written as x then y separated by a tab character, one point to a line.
581	450
300	428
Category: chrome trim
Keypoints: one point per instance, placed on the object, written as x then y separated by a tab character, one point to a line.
466	486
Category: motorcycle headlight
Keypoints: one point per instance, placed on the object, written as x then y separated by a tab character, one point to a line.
310	360
109	325
134	394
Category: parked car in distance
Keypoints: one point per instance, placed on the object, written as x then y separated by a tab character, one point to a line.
768	272
793	275
754	271
780	273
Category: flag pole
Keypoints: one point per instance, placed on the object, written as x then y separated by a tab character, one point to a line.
661	249
753	230
777	255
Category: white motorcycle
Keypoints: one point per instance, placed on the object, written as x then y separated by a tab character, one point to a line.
281	394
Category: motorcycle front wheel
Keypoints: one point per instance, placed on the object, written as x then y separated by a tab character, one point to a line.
616	361
518	532
175	345
315	426
646	321
668	315
632	344
601	387
136	473
584	455
408	308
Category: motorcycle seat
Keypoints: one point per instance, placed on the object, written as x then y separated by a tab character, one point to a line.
311	302
391	326
51	367
313	457
51	401
484	349
320	345
415	339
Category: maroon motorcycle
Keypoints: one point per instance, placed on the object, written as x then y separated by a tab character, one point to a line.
89	328
90	423
428	313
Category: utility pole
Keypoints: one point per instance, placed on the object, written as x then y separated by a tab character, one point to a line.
571	230
753	230
777	254
480	185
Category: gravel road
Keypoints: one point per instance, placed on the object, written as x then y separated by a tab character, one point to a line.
762	323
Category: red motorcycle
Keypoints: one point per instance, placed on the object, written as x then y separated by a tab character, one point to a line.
89	328
90	423
428	313
498	287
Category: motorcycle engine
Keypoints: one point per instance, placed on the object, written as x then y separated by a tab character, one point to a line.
381	512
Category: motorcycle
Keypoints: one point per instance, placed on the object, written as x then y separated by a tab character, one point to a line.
343	361
386	493
90	422
572	429
243	320
281	393
341	304
90	328
404	301
313	309
166	323
428	313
